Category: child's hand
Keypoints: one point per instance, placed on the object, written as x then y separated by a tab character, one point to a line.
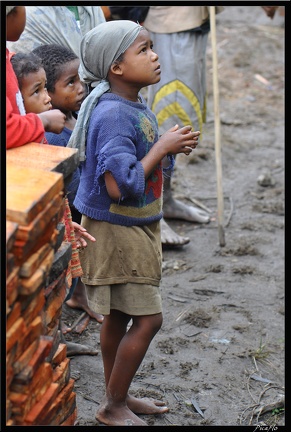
53	120
180	140
172	142
80	233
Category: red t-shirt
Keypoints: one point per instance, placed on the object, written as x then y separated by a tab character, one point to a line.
21	128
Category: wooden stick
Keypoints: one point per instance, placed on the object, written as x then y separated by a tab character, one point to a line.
217	128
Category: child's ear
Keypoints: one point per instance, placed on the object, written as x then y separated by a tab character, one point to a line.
116	69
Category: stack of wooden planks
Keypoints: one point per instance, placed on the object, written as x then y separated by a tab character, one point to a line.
39	389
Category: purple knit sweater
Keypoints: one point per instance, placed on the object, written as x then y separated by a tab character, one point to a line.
120	134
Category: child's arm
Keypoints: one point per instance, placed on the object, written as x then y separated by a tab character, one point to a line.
111	186
23	129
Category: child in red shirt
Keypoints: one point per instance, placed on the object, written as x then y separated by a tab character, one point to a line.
22	128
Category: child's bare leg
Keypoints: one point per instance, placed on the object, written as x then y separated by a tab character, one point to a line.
121	358
113	329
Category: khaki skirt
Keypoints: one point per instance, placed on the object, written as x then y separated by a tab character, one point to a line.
132	299
123	268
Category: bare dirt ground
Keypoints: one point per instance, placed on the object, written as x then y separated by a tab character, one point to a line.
219	358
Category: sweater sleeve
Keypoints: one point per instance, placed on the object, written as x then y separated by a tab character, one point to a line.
120	146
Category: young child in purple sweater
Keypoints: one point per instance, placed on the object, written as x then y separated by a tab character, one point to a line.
120	197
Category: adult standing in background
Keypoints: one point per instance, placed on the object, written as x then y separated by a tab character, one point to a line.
61	25
179	35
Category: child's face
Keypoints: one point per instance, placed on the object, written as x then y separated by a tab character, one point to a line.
15	23
34	93
69	92
140	63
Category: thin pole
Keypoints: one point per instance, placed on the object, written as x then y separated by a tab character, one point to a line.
217	129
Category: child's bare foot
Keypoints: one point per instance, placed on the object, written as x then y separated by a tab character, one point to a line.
74	349
82	325
74	305
118	416
79	300
174	209
146	405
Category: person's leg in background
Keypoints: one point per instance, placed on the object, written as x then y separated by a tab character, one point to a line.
180	97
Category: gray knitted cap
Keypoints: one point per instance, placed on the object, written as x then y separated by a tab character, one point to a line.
102	45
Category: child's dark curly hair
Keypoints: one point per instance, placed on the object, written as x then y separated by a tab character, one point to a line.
24	64
54	57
